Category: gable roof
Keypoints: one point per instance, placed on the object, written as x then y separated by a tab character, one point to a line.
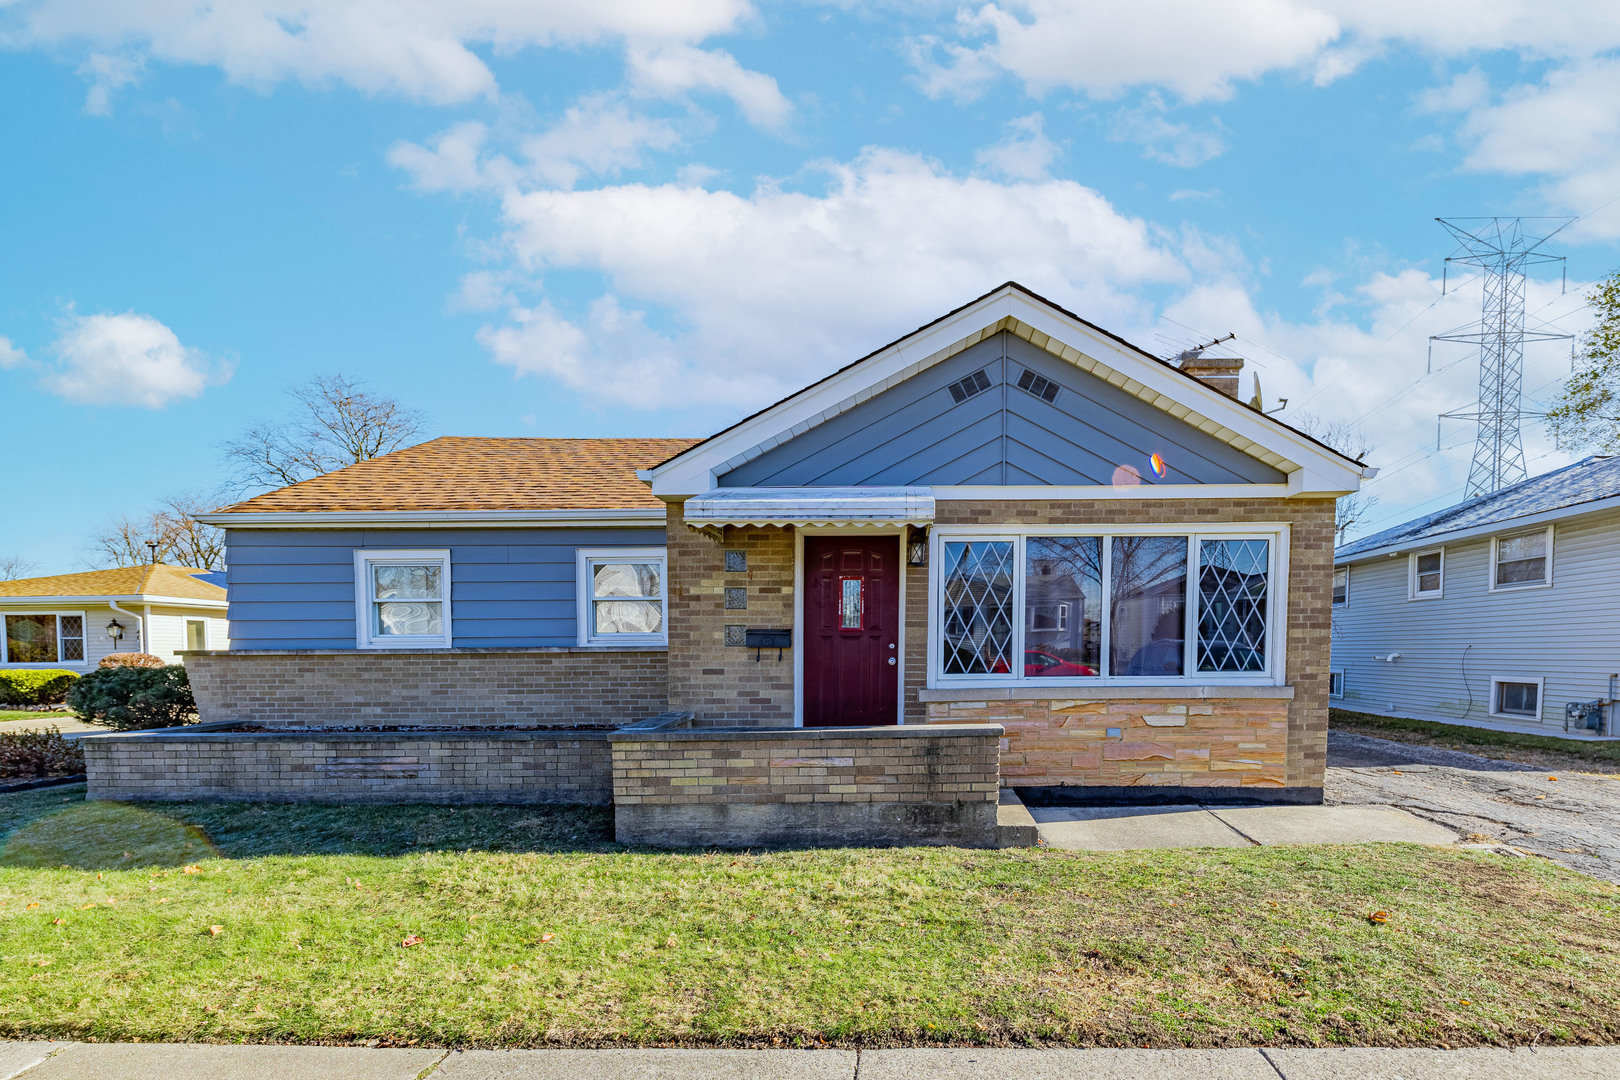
126	582
1588	485
1312	465
467	475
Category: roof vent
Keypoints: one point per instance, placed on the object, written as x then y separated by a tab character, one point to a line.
1039	385
968	385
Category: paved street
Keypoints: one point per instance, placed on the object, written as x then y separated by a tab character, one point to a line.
153	1061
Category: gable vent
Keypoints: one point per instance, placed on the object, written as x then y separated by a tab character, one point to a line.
968	385
1039	385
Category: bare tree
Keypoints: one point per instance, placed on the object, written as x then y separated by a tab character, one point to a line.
13	567
338	423
170	534
1353	442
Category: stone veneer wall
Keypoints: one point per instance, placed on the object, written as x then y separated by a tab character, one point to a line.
1215	742
1310	587
464	687
720	683
738	788
351	767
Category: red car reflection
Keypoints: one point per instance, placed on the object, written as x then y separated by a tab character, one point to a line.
1041	662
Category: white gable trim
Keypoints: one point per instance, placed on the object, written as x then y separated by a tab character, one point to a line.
1312	470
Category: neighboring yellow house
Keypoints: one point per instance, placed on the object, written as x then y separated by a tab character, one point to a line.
71	621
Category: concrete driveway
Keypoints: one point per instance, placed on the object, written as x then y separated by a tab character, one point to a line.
1573	819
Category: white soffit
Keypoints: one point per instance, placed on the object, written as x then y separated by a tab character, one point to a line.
811	506
1312	469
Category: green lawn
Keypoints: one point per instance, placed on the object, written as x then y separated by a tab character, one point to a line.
1544	751
536	929
29	714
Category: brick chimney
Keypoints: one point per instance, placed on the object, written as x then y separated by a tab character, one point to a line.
1221	372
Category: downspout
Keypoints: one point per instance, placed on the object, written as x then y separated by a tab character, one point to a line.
140	623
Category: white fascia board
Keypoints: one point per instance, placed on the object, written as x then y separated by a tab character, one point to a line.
1322	473
1475	532
135	598
1080	492
434	519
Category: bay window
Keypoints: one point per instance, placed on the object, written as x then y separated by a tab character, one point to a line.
1141	606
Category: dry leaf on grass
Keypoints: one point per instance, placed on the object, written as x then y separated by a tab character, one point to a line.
546	937
215	931
33	905
1377	917
411	940
58	922
191	869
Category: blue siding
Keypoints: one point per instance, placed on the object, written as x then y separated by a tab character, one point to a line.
915	433
294	588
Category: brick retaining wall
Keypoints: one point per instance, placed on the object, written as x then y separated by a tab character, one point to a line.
351	767
463	687
812	786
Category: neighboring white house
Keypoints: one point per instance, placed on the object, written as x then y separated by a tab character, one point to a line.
72	620
1499	611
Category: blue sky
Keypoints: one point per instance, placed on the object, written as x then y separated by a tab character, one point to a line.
628	217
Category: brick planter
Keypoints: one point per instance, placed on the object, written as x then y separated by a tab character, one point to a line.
930	784
196	763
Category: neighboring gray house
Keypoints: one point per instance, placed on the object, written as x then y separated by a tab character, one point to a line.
1500	610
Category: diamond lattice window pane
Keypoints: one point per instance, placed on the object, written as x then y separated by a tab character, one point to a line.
978	609
1233	591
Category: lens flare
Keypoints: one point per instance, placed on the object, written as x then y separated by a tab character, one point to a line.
1158	465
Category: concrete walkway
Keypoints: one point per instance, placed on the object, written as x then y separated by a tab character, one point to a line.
155	1061
69	725
1111	828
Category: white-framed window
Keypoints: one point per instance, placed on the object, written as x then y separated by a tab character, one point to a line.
402	598
1516	697
1341	585
47	638
196	634
1335	683
1426	575
1145	605
1522	560
622	596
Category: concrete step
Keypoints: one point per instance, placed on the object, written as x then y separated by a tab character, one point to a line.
1014	825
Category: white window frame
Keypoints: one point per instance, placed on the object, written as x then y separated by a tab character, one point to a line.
585	598
1547	578
5	642
1340	673
364	560
1277	533
1346	601
186	629
1412	592
1541	697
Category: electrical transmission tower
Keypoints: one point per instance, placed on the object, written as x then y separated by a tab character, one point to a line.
1502	248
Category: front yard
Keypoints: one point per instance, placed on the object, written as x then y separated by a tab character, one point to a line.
284	923
1542	751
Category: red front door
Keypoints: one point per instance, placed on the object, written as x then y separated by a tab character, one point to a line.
851	630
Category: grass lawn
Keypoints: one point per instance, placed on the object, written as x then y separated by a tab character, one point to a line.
30	714
1543	751
287	923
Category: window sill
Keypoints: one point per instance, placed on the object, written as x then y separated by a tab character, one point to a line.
1026	692
1520	588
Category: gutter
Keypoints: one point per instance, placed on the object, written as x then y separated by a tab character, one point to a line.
140	623
1474	532
113	601
436	519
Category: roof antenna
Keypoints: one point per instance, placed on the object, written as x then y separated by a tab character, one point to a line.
152	546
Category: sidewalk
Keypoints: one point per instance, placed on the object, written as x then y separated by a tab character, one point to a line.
155	1061
1102	828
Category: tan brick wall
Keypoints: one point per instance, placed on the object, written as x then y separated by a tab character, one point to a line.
1310	586
465	687
814	767
494	767
1221	742
716	682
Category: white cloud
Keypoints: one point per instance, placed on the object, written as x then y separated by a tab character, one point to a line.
1025	154
127	359
1160	139
417	49
732	300
107	74
668	71
11	355
1197	50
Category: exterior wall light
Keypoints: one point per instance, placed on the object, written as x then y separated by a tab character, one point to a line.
115	631
917	548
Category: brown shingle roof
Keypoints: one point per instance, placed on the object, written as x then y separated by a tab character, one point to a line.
458	473
150	580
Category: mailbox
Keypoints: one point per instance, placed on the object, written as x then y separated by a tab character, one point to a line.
768	639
